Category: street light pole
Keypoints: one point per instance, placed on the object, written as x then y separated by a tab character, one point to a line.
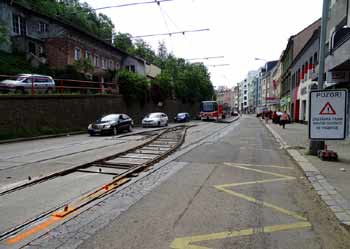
315	146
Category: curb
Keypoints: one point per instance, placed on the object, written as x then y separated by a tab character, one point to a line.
339	206
23	139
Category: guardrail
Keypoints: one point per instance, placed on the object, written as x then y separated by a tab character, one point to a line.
33	86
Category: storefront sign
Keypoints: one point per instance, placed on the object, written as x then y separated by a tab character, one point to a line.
327	115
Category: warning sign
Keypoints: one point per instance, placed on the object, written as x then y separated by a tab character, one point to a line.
327	110
327	114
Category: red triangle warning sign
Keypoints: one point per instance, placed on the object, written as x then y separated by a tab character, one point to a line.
328	110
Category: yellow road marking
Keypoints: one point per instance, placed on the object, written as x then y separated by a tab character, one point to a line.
257	165
253	182
26	234
260	171
186	242
266	204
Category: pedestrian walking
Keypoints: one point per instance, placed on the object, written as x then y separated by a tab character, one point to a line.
284	119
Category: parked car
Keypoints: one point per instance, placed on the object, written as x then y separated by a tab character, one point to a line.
155	119
24	83
111	124
182	117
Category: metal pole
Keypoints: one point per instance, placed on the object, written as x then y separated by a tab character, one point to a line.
315	146
322	43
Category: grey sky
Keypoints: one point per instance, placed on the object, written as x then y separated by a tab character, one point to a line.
239	30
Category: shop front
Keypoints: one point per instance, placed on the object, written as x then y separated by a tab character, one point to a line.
285	103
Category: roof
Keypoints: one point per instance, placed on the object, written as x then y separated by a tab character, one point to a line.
69	25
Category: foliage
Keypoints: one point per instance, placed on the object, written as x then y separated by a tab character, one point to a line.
11	64
74	12
84	65
144	50
4	37
133	87
123	42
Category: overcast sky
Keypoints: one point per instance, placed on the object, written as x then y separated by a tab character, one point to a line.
239	30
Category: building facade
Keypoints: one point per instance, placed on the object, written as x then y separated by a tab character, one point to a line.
305	73
337	63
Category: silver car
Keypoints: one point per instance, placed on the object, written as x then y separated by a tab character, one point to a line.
155	119
25	82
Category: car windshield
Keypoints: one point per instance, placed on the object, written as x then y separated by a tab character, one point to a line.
108	118
20	78
153	115
208	106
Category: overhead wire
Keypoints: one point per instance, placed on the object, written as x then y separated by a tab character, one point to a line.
167	27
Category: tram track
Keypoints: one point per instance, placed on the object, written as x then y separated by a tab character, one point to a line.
121	167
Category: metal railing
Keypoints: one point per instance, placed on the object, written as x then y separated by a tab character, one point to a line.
61	86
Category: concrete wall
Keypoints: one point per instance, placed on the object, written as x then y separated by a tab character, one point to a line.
73	112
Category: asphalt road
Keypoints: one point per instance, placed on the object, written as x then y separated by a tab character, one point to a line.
229	186
42	157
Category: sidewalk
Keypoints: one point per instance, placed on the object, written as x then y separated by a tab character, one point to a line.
330	179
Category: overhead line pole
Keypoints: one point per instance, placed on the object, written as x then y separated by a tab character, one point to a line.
315	146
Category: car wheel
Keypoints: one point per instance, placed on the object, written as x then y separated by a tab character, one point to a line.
166	124
19	91
115	131
159	124
49	91
130	128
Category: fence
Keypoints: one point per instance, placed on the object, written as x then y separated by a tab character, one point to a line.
39	84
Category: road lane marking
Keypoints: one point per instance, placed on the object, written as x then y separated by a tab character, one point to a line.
265	204
186	242
257	165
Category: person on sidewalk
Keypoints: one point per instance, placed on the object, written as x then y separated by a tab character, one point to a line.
284	119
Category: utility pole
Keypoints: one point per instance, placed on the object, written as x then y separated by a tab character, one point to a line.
315	146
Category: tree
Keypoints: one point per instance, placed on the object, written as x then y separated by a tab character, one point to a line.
133	87
123	42
4	37
74	12
144	50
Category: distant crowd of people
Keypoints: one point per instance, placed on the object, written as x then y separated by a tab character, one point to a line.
277	117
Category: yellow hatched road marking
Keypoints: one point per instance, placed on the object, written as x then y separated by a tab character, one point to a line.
257	165
186	242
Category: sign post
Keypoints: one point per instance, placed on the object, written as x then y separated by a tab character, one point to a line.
328	114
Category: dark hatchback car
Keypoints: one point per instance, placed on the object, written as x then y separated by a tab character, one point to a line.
182	117
111	124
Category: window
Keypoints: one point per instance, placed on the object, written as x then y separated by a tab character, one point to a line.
104	66
245	97
77	54
19	25
117	66
131	68
315	58
87	55
245	91
43	27
96	61
111	64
